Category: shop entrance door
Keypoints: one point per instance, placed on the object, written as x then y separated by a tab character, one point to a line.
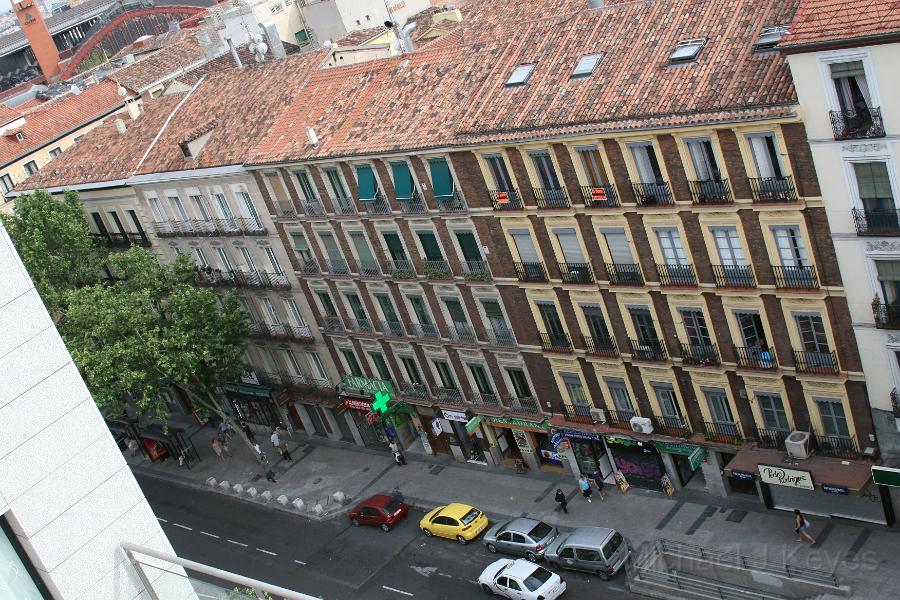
641	465
373	436
318	422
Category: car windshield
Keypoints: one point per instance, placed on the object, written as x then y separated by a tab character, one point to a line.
539	577
392	506
612	544
540	531
470	516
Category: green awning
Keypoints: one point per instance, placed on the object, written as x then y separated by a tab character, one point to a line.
441	180
403	182
366	178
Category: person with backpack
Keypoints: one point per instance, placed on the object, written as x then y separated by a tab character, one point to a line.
801	527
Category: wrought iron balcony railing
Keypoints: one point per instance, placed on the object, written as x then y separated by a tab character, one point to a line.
620	419
771	438
330	323
577	413
313	208
650	350
391	328
887	316
121	240
734	276
550	197
576	272
425	331
701	355
531	271
215	277
600	346
603	196
476	270
343	206
857	124
487	400
818	363
836	446
675	426
285	209
555	342
624	274
377	205
369	268
414	391
309	267
506	199
884	222
414	205
402	269
450	203
462	333
526	406
247	279
449	396
436	269
752	357
798	278
364	326
336	266
711	192
773	189
653	194
504	337
723	432
676	275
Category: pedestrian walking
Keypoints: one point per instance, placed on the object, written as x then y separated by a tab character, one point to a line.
248	432
270	475
801	527
217	447
585	485
280	445
224	430
397	495
562	500
398	455
260	455
598	481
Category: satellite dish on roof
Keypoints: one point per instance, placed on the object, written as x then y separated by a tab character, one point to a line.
389	24
122	91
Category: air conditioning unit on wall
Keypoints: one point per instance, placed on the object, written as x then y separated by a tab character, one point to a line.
641	425
598	415
797	444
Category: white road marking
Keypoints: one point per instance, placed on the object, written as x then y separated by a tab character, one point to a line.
212	535
238	543
445	575
614	588
300	562
161	520
183	526
390	589
267	552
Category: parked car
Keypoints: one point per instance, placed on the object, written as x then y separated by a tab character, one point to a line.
380	510
521	579
598	550
523	537
454	521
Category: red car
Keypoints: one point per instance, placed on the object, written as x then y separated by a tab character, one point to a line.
380	510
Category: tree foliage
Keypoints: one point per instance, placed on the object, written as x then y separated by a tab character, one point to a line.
55	243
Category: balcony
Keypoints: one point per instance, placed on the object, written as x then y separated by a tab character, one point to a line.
377	205
392	328
653	194
506	200
711	192
857	124
336	266
603	196
462	333
416	392
816	363
476	270
361	326
525	406
414	205
285	209
624	274
449	396
887	316
309	267
674	426
503	338
620	419
752	357
209	227
796	278
676	275
577	413
836	446
425	331
700	355
578	273
772	439
723	432
436	269
486	401
882	222
330	323
121	240
214	277
556	342
600	346
531	272
450	203
343	206
280	331
402	269
734	276
550	197
314	208
369	268
773	189
247	279
650	350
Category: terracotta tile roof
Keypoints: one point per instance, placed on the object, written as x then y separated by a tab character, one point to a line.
822	21
59	116
104	154
8	114
361	36
456	95
155	66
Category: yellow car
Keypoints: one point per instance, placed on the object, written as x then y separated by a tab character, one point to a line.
454	521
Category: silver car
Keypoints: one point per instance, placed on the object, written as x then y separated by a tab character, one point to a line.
598	550
523	537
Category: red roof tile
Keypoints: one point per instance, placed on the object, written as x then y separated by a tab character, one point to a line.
8	114
824	21
180	55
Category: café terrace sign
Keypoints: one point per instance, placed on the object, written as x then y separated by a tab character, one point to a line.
787	477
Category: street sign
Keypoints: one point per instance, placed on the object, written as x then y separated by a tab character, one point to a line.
472	425
455	415
886	476
436	427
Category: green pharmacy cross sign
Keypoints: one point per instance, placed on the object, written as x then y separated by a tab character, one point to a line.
381	402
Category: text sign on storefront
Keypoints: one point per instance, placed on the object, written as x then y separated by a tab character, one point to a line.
787	477
518	423
835	489
472	425
357	404
886	476
742	475
453	415
368	386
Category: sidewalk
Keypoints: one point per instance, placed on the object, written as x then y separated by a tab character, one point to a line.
865	557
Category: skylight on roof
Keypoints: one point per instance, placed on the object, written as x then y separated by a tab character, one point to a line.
520	75
769	37
586	65
687	50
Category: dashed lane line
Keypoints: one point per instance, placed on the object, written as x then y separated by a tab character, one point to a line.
238	543
300	562
269	552
212	535
161	520
390	589
445	575
183	526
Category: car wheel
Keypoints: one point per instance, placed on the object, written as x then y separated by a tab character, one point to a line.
462	540
355	523
385	527
603	575
491	548
426	532
487	589
531	556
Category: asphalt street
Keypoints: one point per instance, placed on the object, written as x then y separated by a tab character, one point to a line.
331	558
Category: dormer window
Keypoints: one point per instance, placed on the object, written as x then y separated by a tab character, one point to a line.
20	136
185	149
586	65
520	76
769	37
687	50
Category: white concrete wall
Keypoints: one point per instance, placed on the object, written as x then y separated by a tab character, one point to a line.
64	485
331	19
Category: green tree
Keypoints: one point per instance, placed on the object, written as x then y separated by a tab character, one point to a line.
152	328
55	243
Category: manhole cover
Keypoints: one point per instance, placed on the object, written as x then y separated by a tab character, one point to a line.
317	480
436	470
736	516
366	470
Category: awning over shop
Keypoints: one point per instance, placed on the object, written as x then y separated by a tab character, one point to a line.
831	473
248	390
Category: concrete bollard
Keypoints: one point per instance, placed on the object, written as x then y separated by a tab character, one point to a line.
298	503
211	482
282	500
266	495
224	485
252	492
238	488
339	497
318	509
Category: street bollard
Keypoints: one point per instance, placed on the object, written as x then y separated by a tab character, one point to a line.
224	485
318	509
266	495
238	488
282	500
298	503
339	497
211	482
252	492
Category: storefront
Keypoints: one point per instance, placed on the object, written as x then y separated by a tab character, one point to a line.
254	404
639	462
366	421
522	440
433	438
685	460
467	443
587	449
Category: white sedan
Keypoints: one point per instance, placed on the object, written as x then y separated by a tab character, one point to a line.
521	580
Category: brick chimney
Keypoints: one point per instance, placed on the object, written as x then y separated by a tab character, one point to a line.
42	44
